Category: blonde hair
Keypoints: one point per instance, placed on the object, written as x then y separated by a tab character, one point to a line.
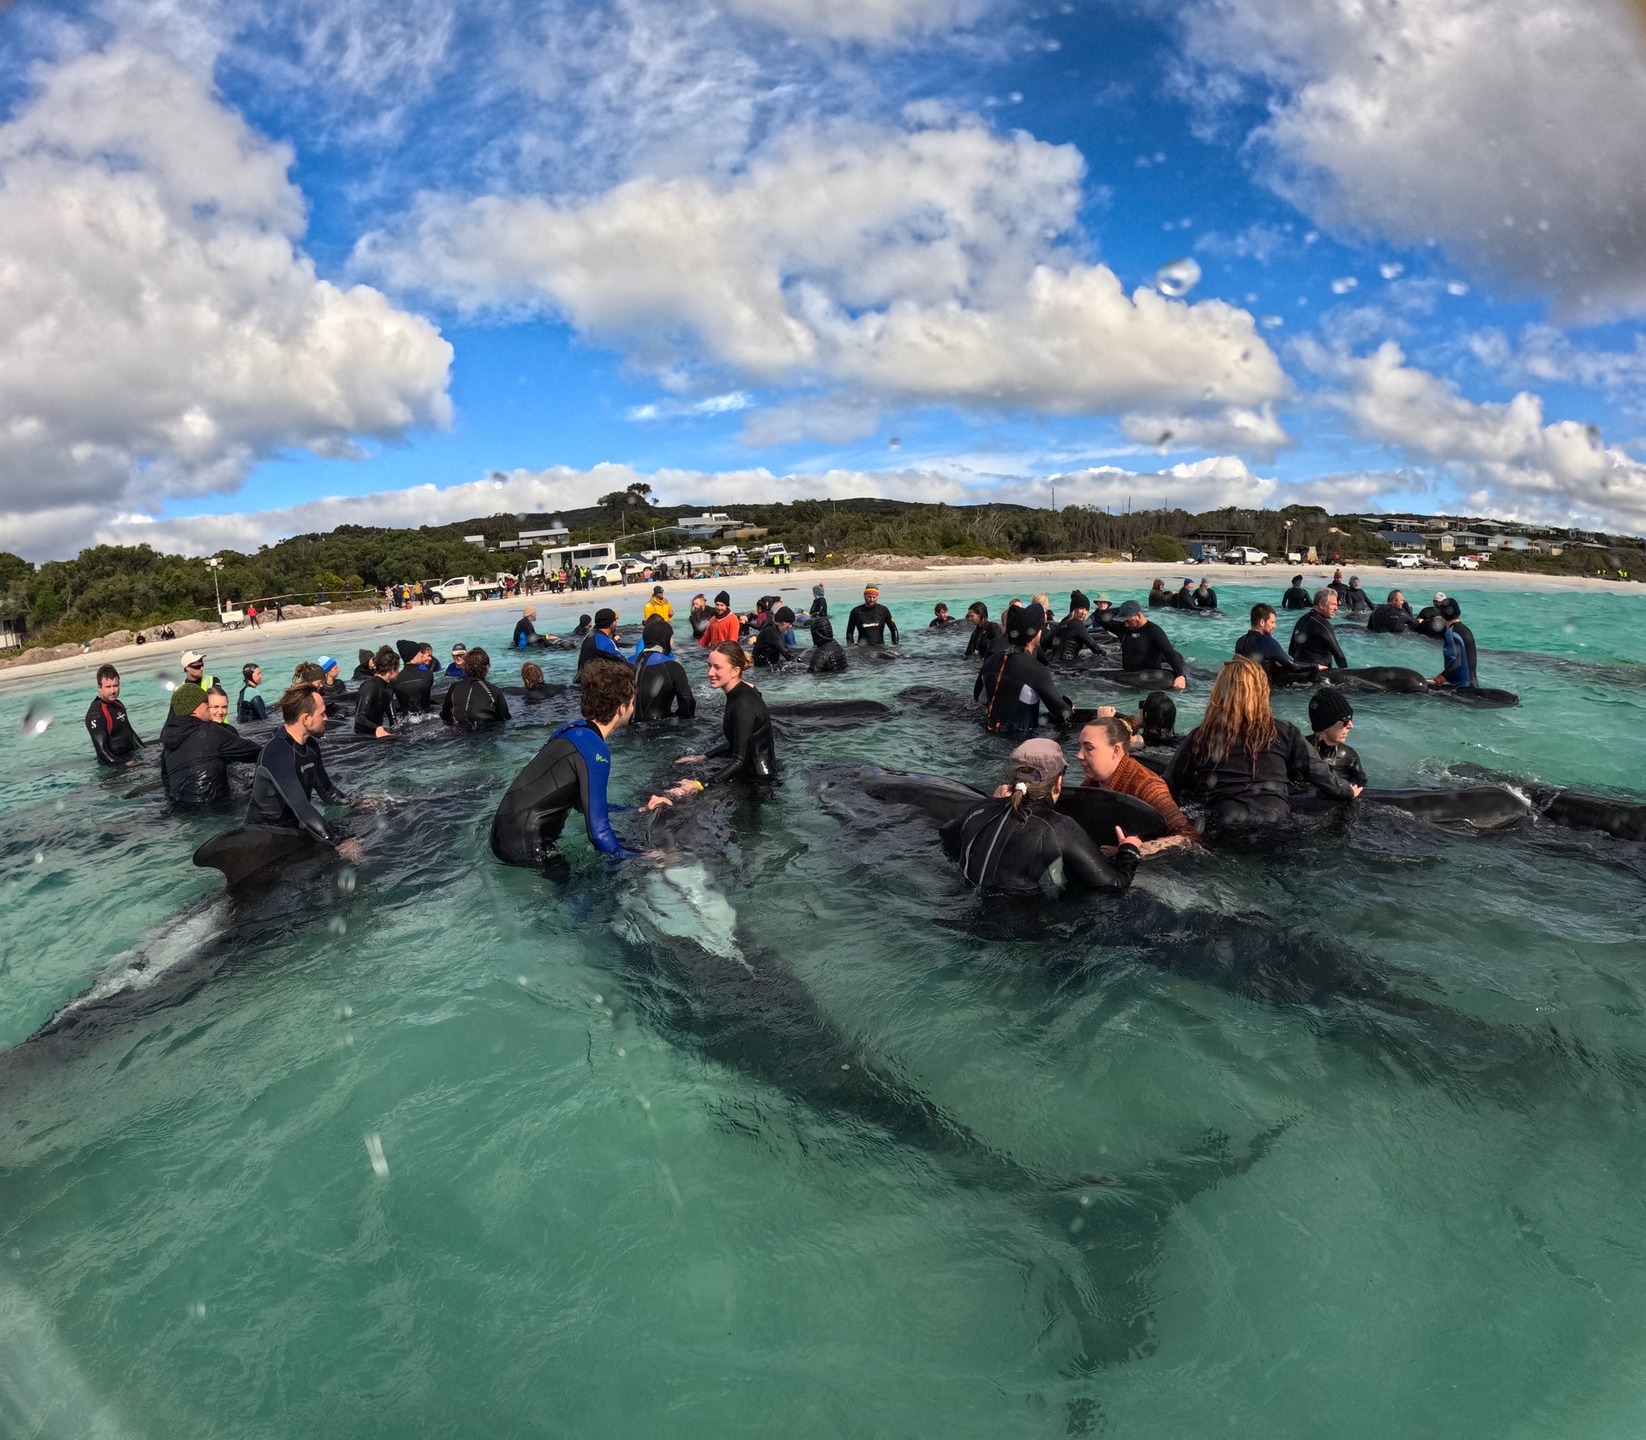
1237	716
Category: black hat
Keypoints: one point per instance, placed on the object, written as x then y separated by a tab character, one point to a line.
407	649
1297	579
1449	609
657	633
822	630
1024	622
1078	600
784	615
603	617
1327	707
724	598
1129	609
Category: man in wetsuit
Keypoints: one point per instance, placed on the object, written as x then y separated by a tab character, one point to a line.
775	645
661	687
1331	718
1313	640
414	686
1184	599
1259	644
525	630
1457	648
571	772
454	671
374	705
1071	635
601	641
1392	617
196	750
820	601
941	619
1205	598
1015	683
1144	646
332	687
1296	597
290	772
1355	600
112	737
871	621
251	707
1338	587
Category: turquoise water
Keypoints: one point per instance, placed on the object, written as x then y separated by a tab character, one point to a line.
587	1227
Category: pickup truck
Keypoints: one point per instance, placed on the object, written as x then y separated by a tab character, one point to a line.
1405	560
465	587
1246	555
611	573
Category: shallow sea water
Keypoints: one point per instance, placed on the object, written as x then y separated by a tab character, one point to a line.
433	1156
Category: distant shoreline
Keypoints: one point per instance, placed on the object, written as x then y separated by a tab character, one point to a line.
227	650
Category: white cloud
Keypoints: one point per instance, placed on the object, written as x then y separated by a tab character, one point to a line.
162	332
1250	432
836	420
1210	484
874	20
1508	130
916	266
1507	459
727	404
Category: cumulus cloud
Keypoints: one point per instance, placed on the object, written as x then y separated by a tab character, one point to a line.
1508	130
163	332
1503	455
1210	484
1249	432
917	266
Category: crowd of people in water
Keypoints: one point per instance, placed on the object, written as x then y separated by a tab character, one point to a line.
1240	767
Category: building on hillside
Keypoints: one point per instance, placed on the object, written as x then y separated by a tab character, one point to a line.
14	629
1402	539
708	526
556	534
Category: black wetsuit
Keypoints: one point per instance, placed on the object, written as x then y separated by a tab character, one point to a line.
1389	619
662	688
1314	642
1071	637
373	706
1020	855
1013	685
286	777
111	734
1344	759
870	622
1205	599
1277	664
1297	598
982	639
414	690
195	756
770	648
748	746
537	694
826	658
1242	789
1356	601
474	705
569	773
334	690
1342	589
250	707
1148	649
1162	600
525	633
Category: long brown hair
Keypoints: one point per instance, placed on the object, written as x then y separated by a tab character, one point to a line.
1237	716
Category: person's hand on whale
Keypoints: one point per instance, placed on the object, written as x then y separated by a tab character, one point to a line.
349	850
691	759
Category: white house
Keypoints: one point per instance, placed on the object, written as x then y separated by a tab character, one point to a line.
707	525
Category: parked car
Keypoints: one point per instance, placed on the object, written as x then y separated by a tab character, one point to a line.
1247	555
464	587
611	573
1403	560
1465	562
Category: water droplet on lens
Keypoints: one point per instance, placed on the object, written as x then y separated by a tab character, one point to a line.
37	719
345	1012
1077	1224
621	1052
1177	277
338	925
1571	627
520	980
1457	287
166	680
39	857
346	880
599	999
374	1153
197	1309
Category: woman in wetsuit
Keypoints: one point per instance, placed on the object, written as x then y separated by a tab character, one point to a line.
1241	762
747	749
1016	843
474	703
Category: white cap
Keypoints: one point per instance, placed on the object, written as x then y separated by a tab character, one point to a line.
193	657
1439	596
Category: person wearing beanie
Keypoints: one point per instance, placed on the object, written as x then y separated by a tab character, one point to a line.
1145	646
1331	718
1296	598
251	707
1205	598
585	623
870	622
363	669
414	686
662	688
1017	843
195	752
722	626
826	657
658	606
775	645
1015	683
1184	599
331	680
820	603
1259	644
601	641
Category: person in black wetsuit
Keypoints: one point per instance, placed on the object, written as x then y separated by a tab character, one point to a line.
1019	844
196	750
534	688
1071	635
1241	762
374	704
1205	598
941	619
749	752
826	657
1296	597
986	633
525	630
1392	617
1314	642
251	707
331	682
1338	587
1184	599
414	686
1259	644
474	703
600	643
1144	646
1331	718
820	601
1355	600
572	772
1015	683
364	668
662	687
112	737
1160	598
775	646
871	621
290	773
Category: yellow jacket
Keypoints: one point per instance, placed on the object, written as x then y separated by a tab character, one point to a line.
660	608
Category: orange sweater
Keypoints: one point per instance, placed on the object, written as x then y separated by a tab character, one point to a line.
729	628
1131	778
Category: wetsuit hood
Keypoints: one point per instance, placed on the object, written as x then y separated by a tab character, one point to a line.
822	630
657	633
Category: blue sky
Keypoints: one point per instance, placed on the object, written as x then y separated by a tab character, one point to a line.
271	269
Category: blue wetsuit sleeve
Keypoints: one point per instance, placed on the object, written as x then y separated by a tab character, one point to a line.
597	810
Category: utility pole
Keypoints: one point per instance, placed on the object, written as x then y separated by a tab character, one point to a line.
214	565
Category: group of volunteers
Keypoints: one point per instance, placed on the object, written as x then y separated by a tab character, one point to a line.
1240	767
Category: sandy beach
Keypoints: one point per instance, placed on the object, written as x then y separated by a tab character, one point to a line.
227	650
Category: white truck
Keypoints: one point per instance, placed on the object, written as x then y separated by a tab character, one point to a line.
1246	555
467	587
